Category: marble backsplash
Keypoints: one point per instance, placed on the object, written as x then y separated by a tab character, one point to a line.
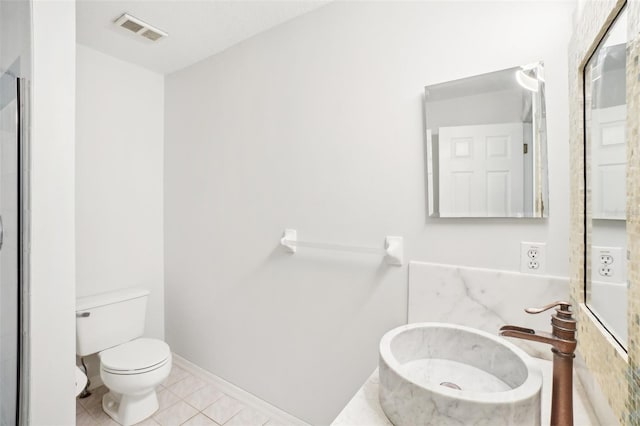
485	299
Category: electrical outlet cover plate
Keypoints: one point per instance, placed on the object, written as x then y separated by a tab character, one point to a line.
533	258
607	265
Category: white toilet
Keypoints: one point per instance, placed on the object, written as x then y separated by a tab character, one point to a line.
110	324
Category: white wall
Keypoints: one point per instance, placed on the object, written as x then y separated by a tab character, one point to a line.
52	269
318	125
119	168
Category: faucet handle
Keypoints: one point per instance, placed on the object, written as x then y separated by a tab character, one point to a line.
565	308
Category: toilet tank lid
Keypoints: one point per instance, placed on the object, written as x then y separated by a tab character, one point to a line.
110	297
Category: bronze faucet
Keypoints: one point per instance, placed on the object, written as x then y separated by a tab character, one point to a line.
563	342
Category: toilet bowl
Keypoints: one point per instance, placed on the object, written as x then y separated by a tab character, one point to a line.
131	367
131	372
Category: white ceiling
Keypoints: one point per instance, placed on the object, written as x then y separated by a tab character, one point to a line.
197	29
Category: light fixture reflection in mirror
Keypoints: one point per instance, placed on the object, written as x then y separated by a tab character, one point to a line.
605	162
529	77
486	145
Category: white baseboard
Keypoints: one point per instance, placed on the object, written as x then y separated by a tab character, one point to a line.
240	394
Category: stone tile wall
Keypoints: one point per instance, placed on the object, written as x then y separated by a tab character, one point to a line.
633	211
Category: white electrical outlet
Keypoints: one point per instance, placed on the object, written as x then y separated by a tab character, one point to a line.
533	258
607	265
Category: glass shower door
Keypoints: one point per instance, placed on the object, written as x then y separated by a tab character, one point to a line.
9	249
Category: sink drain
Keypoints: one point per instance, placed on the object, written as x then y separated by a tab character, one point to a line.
450	385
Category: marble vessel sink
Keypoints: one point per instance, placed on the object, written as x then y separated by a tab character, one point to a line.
445	374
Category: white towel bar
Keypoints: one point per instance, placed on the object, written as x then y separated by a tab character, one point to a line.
393	250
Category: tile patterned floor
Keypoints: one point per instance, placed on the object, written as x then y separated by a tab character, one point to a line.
185	399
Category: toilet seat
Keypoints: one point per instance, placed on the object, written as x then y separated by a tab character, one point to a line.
135	357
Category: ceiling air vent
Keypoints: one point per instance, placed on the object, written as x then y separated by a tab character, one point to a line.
140	27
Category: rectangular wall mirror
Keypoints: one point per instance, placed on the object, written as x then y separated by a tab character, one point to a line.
486	145
605	165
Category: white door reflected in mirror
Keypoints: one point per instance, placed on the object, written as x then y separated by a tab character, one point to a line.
494	151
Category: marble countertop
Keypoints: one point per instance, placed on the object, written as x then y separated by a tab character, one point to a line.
364	408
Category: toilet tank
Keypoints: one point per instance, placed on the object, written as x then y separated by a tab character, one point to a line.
109	319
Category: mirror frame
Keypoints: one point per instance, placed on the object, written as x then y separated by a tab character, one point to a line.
614	372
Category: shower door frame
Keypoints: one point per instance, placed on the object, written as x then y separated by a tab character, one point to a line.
22	163
21	231
24	208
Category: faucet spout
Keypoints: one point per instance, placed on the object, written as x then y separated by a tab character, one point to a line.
505	329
